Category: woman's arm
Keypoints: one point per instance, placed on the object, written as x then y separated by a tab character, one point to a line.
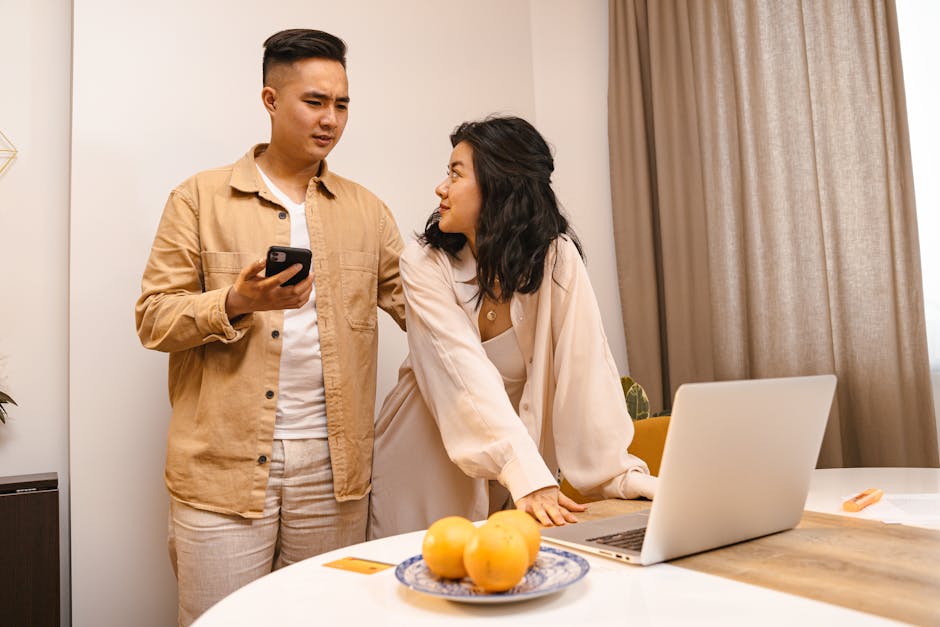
592	428
480	429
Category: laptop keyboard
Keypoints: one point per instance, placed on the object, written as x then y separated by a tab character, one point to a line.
631	539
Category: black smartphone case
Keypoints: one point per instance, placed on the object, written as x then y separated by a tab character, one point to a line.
282	257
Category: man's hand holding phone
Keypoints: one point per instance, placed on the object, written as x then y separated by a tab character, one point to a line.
256	292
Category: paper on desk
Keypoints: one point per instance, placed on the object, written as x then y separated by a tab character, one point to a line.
906	509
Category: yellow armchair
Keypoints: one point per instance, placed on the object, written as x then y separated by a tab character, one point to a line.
649	439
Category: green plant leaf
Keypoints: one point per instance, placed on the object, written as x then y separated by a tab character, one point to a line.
638	405
626	383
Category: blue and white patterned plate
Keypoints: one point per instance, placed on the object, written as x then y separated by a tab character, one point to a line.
553	570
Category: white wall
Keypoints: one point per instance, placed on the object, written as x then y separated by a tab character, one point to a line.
569	56
162	91
918	21
34	195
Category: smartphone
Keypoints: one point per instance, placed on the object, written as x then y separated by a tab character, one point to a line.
280	258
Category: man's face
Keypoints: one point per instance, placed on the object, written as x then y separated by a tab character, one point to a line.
309	104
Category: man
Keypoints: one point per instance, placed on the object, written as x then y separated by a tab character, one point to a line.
270	444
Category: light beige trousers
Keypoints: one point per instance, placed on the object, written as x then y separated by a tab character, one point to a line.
215	554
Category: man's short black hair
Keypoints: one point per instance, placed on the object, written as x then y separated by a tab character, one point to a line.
295	44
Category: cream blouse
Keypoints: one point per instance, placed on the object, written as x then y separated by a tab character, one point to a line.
449	425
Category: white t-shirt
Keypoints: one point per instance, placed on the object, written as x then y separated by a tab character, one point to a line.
301	399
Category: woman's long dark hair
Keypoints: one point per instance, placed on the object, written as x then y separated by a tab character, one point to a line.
519	216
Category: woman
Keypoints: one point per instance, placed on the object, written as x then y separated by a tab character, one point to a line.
509	379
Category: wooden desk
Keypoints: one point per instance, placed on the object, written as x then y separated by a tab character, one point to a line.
886	570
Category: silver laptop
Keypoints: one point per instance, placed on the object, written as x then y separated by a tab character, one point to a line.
737	465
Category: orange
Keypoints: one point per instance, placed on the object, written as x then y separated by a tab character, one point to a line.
443	546
526	525
496	557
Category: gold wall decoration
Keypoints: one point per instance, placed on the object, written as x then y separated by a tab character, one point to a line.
7	152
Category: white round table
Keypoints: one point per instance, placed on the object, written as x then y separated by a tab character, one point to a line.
612	593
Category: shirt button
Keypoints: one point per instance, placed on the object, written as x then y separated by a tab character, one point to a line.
525	406
269	394
275	334
282	215
262	459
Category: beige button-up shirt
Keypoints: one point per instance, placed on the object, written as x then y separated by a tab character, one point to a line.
449	425
223	376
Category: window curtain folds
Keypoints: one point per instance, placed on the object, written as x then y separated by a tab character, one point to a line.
764	210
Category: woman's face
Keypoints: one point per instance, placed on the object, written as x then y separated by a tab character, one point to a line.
460	195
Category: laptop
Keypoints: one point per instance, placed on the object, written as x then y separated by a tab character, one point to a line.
736	465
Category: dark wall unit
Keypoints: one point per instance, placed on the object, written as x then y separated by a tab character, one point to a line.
29	550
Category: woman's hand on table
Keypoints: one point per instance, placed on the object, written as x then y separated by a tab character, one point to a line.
550	506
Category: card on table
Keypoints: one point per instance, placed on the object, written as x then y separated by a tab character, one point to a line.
358	565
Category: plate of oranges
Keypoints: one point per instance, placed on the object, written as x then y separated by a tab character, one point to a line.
500	561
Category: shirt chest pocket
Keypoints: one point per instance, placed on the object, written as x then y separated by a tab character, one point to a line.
220	269
358	278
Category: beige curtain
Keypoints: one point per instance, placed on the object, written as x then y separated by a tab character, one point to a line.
764	209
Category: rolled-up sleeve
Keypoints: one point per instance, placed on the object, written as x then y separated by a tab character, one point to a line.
480	429
174	311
